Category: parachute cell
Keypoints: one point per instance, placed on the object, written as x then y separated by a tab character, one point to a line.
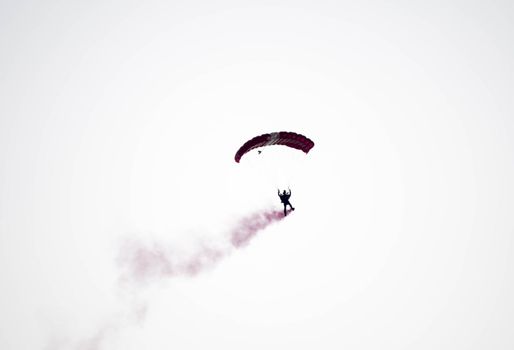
286	138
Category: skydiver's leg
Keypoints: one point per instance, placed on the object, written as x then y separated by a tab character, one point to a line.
290	206
285	211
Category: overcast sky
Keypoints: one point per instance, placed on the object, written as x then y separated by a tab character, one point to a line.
119	120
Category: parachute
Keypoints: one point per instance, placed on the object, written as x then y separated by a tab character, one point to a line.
286	138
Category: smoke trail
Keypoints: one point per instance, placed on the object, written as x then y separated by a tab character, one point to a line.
142	262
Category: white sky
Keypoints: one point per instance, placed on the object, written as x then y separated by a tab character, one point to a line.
121	119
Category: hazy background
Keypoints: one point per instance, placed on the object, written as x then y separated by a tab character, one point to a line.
121	118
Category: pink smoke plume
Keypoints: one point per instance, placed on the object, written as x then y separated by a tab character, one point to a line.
142	262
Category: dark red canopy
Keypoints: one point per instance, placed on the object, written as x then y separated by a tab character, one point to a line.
289	139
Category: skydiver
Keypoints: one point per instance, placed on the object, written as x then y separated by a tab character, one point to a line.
284	198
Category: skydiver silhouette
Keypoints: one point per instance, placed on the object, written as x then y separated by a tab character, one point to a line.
284	198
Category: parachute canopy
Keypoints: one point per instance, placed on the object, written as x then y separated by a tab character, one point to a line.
289	139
